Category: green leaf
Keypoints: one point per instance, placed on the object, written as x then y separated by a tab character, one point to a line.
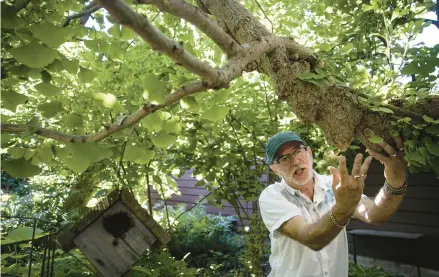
172	125
155	122
127	34
347	48
155	90
20	168
376	139
71	66
145	157
89	151
72	120
77	164
21	234
11	99
428	119
43	154
34	55
432	146
50	109
222	96
416	156
108	100
305	76
47	89
215	113
53	36
141	269
325	47
385	110
163	139
86	75
16	152
189	103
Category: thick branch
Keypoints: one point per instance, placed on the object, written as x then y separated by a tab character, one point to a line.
93	7
126	121
158	41
200	19
19	5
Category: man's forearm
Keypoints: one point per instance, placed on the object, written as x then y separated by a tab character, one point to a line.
317	235
384	206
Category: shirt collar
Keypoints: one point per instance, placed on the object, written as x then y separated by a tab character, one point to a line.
320	188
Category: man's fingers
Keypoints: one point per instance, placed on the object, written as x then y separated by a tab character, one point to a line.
399	142
379	157
342	166
387	147
335	176
365	166
357	165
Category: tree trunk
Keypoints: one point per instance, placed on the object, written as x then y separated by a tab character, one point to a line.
336	109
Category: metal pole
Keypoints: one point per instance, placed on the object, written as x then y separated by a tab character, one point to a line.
43	262
32	248
48	254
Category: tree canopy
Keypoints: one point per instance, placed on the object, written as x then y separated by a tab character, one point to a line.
114	93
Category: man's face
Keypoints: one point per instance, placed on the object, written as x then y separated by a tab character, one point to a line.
298	170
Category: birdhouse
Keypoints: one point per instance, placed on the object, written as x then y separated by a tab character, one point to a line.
114	234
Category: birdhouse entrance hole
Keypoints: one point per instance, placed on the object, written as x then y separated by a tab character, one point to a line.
118	224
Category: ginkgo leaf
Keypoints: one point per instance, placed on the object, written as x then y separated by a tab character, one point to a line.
72	120
163	139
20	168
189	103
52	35
11	99
86	75
34	55
155	90
50	109
47	89
108	100
215	113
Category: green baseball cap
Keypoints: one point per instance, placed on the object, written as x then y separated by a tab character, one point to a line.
276	141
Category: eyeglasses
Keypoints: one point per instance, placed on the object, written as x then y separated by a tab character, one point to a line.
286	159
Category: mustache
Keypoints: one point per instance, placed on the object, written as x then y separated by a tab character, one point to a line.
297	167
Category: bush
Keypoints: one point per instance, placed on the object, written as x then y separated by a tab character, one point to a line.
206	241
359	271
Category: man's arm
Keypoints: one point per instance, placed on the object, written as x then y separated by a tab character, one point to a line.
380	209
316	235
347	192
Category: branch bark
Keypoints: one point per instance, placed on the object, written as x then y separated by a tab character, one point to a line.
158	41
84	14
336	109
125	122
200	19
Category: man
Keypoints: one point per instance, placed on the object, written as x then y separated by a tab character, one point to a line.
306	213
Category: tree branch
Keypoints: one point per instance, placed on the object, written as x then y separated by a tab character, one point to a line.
158	41
93	7
127	121
200	19
19	5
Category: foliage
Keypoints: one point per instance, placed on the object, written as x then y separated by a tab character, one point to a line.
79	78
204	240
359	271
86	76
161	263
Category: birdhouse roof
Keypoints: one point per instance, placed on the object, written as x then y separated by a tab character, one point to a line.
127	198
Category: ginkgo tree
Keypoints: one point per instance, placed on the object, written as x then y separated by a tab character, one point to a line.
140	91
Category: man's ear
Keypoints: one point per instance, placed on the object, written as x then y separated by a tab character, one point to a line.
274	170
309	151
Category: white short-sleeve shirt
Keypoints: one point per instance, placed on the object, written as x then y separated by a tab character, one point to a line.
289	258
